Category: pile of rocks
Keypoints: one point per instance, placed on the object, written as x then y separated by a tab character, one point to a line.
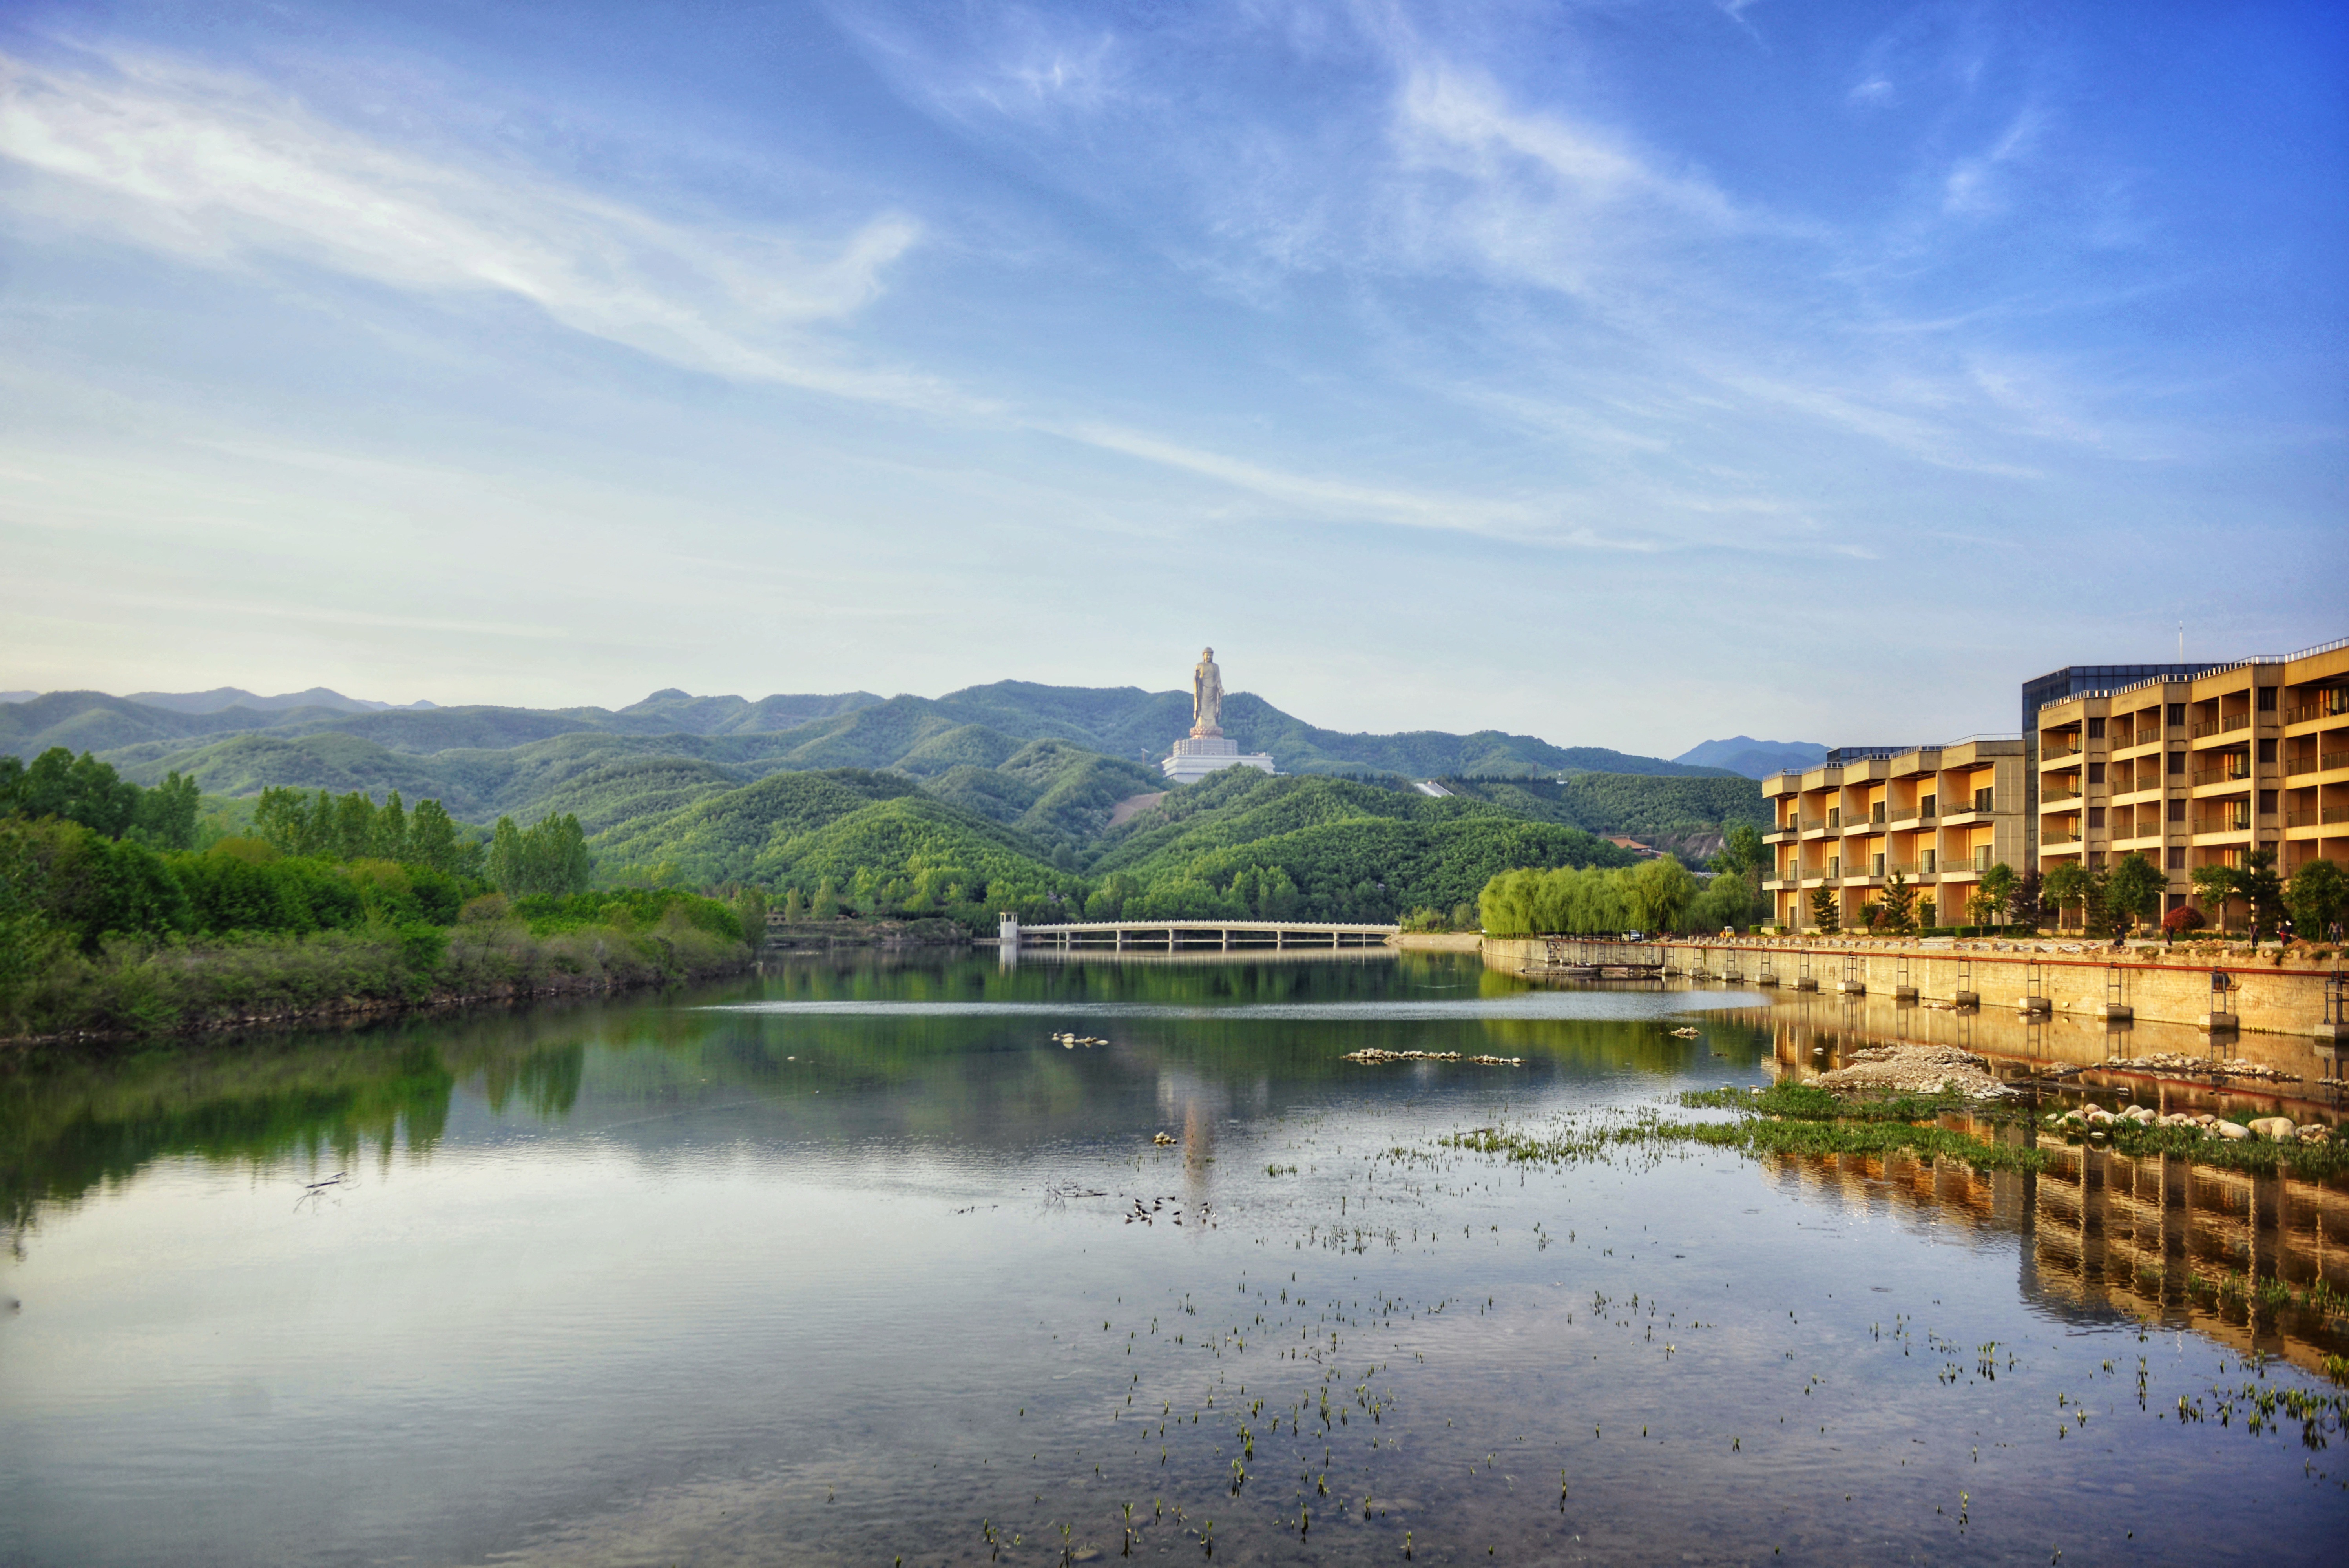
1372	1057
1916	1070
2237	1067
2277	1129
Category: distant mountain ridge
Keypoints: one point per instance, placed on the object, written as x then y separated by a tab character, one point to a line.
923	736
221	697
1755	759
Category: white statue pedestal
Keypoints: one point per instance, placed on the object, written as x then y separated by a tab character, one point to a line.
1197	756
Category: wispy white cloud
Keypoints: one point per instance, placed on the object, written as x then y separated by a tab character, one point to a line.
1548	523
220	169
1972	186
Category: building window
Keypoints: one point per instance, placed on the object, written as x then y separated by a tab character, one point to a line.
2176	857
2096	729
2096	859
2095	816
2267	803
1926	805
2178	762
2178	810
2095	772
2177	714
1982	800
2267	751
2267	699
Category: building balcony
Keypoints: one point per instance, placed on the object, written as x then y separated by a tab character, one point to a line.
2330	705
2051	797
2057	754
2220	775
2050	840
2316	817
1785	830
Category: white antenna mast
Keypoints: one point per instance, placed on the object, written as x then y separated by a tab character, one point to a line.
2181	642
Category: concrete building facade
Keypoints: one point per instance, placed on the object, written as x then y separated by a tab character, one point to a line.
2201	769
1939	815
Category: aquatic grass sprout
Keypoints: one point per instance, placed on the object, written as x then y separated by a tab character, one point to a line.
1791	1119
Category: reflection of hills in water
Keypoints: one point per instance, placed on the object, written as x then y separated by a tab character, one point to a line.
653	1075
630	1070
70	1122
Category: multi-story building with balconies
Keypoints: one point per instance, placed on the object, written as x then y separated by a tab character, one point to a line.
1939	815
2202	769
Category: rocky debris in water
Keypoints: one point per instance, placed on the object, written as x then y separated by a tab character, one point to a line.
1164	1140
1916	1070
1070	1041
1372	1057
2278	1129
1685	1033
2174	1062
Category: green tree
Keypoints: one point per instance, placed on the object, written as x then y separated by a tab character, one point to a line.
1740	853
1898	909
2067	885
2133	888
432	839
795	907
2262	889
2318	895
76	789
2026	906
1998	885
549	857
1826	914
1662	891
166	816
827	902
352	827
2214	885
388	835
750	906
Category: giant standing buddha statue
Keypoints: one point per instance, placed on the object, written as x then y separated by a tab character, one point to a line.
1204	751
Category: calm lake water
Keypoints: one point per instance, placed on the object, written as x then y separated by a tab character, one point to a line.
853	1264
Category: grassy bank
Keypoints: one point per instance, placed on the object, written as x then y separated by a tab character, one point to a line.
148	985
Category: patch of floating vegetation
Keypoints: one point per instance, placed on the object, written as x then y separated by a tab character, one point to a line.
1783	1119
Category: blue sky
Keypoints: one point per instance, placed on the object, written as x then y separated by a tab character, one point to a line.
1622	373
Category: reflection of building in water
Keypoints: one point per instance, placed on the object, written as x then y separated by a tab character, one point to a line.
1812	1031
2159	1238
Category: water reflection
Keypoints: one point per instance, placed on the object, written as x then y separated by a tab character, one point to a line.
831	1265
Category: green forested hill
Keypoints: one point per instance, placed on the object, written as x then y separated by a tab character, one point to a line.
1642	806
913	853
992	795
1326	849
721	837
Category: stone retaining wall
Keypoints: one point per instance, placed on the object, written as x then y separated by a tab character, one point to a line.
2261	996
